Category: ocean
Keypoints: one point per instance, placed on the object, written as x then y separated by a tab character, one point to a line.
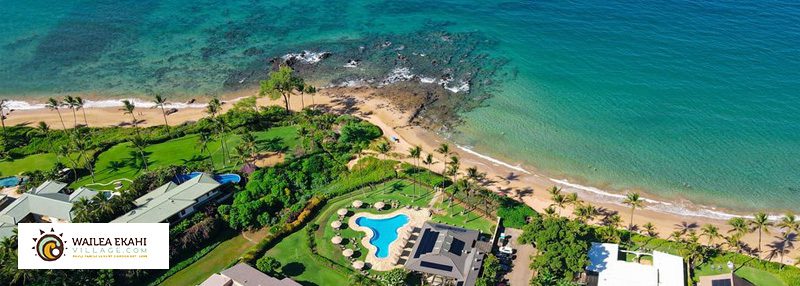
681	100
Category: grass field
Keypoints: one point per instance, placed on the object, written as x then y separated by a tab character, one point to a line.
215	261
30	163
295	256
120	161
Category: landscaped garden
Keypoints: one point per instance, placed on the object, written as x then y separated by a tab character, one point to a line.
398	192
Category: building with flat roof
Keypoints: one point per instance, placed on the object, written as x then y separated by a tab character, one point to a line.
448	253
172	201
608	267
49	202
244	275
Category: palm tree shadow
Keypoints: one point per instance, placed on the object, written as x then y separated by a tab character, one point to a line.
195	158
685	227
272	144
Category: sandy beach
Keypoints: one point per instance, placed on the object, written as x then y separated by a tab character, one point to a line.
502	178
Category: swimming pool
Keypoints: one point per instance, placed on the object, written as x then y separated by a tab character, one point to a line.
384	231
221	178
9	181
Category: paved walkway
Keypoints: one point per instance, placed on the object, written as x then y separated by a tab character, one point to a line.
520	274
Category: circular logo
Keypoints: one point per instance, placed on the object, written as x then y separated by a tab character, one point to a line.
49	247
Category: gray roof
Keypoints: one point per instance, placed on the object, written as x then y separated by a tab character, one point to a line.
447	251
47	199
246	275
169	199
49	187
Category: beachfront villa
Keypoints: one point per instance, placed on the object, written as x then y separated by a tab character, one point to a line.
447	255
244	275
608	266
49	202
178	199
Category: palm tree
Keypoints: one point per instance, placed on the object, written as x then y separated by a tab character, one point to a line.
560	201
634	201
71	104
614	221
82	209
444	149
139	143
54	104
43	128
649	229
554	190
415	152
550	212
202	141
473	178
79	103
428	160
160	101
3	106
65	150
81	146
300	86
213	108
676	235
789	224
455	165
128	108
761	223
280	83
383	148
585	213
311	90
711	232
738	226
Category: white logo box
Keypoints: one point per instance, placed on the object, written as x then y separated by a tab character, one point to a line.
93	246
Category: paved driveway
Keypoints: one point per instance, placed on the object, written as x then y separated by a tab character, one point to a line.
520	274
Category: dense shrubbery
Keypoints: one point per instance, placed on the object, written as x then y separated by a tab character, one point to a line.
562	246
282	230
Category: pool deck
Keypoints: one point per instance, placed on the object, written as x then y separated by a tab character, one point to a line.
415	219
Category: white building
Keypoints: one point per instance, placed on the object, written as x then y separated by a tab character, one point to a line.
608	267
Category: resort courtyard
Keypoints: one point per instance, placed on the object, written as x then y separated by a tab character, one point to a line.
341	233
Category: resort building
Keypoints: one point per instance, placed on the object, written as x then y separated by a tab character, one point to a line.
244	275
49	202
447	254
173	201
608	266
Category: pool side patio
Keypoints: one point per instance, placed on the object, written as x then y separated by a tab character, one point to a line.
416	218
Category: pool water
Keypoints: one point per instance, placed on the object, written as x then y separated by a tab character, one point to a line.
221	178
384	231
9	181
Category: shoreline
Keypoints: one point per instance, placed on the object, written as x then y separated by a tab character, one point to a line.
666	215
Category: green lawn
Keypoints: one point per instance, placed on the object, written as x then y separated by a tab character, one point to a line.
30	163
119	161
294	255
456	215
211	263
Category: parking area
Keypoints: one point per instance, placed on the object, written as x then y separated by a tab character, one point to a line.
516	263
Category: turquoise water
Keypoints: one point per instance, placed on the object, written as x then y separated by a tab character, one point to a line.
221	178
9	181
694	100
384	231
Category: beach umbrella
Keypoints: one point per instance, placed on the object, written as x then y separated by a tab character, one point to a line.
379	205
336	239
342	212
336	224
347	252
358	264
357	204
